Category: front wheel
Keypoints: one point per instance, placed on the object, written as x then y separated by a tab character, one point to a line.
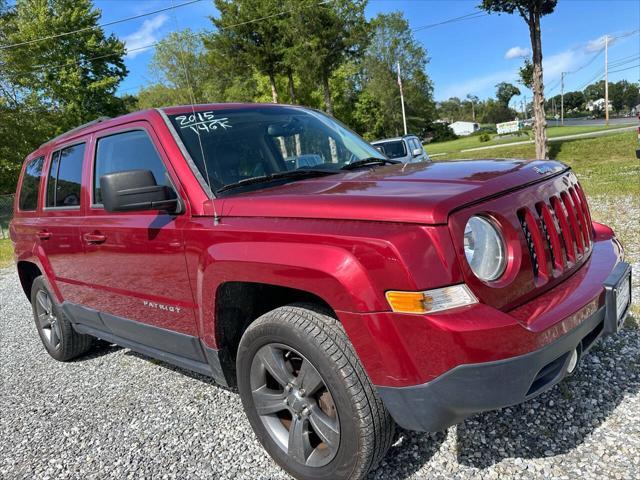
308	398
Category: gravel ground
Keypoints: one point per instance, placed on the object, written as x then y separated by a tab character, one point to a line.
117	414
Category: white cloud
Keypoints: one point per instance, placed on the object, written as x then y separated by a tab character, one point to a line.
516	52
555	64
145	35
597	44
480	84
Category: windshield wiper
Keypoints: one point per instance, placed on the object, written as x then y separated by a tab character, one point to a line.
307	172
369	161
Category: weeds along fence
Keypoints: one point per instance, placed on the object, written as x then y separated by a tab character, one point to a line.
6	211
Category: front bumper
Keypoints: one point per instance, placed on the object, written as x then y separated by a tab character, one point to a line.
472	388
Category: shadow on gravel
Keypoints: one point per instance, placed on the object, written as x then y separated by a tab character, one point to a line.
562	418
100	349
182	371
410	451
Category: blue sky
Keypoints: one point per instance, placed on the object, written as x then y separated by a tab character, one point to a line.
468	56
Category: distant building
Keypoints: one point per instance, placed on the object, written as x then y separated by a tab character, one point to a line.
464	128
597	105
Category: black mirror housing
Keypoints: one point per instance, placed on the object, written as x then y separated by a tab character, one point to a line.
134	190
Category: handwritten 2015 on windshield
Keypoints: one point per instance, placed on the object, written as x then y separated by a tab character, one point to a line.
202	122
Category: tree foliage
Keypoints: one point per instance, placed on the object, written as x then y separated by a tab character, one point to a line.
48	86
361	81
392	43
505	92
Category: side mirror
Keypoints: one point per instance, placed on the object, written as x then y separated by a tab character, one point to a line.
133	190
416	151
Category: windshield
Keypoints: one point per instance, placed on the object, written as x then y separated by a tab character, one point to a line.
229	146
395	149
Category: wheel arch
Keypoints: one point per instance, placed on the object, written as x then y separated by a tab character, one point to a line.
233	317
27	272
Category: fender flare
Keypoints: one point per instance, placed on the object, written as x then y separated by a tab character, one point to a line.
331	273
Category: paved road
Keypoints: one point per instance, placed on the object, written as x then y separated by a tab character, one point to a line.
572	122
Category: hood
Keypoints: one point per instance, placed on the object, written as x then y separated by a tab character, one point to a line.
424	193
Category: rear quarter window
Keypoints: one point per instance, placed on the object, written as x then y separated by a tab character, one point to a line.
65	177
28	200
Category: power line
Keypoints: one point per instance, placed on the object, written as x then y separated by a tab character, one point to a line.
469	16
623	69
80	30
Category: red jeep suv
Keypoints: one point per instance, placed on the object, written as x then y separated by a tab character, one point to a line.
273	249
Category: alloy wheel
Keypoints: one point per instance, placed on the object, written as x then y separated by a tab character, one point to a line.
295	405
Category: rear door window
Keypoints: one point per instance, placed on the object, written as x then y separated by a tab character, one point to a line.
132	150
394	149
28	200
65	177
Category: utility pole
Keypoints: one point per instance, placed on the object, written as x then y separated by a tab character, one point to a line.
606	79
562	98
404	117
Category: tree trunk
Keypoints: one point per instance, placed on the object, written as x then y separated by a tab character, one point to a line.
274	90
292	88
540	123
328	105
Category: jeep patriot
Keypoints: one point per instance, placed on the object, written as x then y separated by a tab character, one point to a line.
342	293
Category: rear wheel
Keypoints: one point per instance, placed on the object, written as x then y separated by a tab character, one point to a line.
308	398
58	336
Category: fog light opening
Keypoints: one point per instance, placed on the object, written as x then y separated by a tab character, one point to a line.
573	361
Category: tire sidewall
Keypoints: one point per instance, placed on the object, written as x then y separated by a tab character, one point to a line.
345	461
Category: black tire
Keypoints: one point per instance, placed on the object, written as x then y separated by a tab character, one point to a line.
68	343
365	427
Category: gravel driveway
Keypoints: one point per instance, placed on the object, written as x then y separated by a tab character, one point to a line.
117	414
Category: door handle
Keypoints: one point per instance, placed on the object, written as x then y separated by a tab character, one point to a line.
94	238
43	235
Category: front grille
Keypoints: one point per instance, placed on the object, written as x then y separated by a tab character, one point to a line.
558	230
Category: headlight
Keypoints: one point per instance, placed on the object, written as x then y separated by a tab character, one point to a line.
484	249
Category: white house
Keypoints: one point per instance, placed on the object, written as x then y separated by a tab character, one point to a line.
464	128
597	105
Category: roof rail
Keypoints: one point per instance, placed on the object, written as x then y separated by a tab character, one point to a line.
77	129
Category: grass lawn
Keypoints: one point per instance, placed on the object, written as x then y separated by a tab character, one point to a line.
604	165
474	141
6	253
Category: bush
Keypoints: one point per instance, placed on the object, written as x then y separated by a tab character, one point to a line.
484	137
439	132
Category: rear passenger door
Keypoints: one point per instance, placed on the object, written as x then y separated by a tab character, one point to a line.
134	269
59	231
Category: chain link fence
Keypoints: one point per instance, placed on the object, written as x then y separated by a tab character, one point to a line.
6	211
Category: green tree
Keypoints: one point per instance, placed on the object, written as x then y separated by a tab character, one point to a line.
525	72
472	100
327	35
451	110
594	91
391	43
248	44
505	92
495	111
48	86
76	75
179	62
531	11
